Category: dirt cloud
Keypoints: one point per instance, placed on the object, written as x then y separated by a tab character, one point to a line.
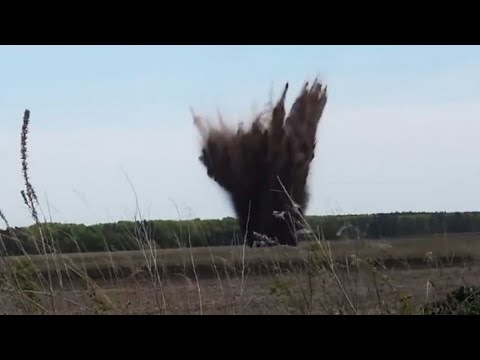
265	168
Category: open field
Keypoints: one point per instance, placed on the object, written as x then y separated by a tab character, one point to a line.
413	251
365	277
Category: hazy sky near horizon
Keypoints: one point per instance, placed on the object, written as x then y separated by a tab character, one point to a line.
399	133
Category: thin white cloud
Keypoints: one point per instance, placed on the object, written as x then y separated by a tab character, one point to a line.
368	160
396	146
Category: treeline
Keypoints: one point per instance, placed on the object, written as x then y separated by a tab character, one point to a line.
129	235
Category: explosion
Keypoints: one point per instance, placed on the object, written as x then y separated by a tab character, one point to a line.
265	169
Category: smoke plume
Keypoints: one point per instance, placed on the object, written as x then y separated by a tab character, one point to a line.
265	168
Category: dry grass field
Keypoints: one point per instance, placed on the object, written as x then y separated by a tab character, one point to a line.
393	276
397	276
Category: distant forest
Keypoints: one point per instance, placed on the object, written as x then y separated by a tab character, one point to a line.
131	235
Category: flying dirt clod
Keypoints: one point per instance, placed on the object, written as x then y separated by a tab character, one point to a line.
265	169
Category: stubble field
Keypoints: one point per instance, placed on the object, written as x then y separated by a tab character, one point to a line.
397	276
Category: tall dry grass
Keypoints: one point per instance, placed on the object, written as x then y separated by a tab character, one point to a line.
314	278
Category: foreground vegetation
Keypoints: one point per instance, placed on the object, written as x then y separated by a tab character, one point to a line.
385	263
413	252
402	276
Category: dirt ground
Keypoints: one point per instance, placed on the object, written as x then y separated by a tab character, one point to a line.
345	291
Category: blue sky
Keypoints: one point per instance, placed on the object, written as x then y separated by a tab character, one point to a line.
399	132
